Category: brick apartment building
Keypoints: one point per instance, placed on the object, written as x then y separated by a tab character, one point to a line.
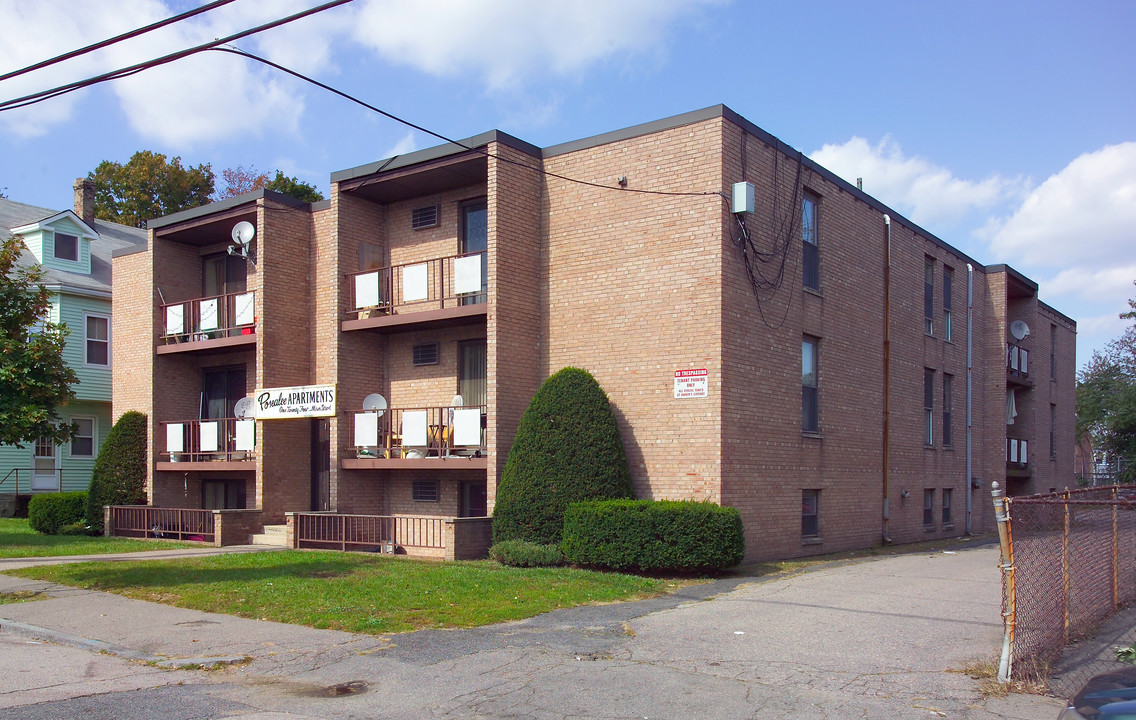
837	406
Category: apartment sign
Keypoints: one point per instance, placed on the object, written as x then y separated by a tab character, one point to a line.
304	401
692	383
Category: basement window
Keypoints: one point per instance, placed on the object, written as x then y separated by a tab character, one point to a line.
425	491
426	354
424	217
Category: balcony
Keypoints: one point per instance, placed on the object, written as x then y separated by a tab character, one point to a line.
435	293
222	444
210	324
1017	366
1017	459
450	438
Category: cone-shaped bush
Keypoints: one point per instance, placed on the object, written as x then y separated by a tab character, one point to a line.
119	477
567	449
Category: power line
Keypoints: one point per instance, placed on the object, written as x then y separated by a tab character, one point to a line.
116	39
131	70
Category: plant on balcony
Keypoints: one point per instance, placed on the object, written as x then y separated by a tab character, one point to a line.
567	449
119	477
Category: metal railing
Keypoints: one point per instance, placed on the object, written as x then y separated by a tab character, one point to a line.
410	287
209	318
29	474
227	444
442	437
368	532
1068	563
155	522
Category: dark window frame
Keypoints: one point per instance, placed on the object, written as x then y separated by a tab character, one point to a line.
929	507
810	241
948	392
810	391
929	295
1052	431
810	514
928	407
946	507
948	291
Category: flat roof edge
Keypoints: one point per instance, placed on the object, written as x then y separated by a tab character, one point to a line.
132	250
436	152
227	204
1049	308
627	133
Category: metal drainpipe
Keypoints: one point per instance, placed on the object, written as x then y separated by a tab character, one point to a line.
887	379
969	390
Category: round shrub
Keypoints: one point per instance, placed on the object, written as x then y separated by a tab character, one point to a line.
653	535
50	514
119	477
567	449
520	553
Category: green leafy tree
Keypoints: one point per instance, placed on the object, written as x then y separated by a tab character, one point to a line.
34	379
294	188
119	477
148	186
567	449
240	180
1106	397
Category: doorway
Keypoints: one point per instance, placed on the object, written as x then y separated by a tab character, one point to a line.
45	465
473	501
321	465
475	238
223	274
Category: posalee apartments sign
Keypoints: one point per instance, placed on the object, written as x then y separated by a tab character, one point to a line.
294	402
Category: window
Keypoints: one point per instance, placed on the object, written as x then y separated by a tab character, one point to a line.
948	285
948	381
929	295
83	444
810	261
424	217
425	491
810	421
426	354
66	247
1052	352
928	508
928	407
946	507
1052	431
810	513
98	340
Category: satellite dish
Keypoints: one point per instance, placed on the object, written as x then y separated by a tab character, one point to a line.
245	409
243	232
457	401
1019	330
375	403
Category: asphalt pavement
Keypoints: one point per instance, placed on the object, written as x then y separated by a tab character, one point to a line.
886	637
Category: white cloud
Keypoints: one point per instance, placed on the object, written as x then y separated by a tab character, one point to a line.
930	194
1084	215
508	41
405	145
1106	284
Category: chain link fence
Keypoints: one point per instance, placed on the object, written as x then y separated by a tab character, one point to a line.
1068	564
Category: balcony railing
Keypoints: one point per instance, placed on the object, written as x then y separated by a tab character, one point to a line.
369	532
425	432
209	318
221	439
430	285
1017	458
1017	360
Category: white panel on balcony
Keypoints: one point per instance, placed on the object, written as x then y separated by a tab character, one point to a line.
1022	455
467	426
367	290
366	429
174	434
414	286
1013	451
245	309
467	274
246	435
414	428
209	314
1013	358
209	436
1025	363
175	319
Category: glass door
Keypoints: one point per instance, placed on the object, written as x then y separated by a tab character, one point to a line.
45	465
475	238
223	274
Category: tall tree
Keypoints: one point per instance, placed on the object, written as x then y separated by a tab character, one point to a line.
34	379
148	186
1106	397
241	180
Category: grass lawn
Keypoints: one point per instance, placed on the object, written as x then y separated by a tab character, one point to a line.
354	592
18	540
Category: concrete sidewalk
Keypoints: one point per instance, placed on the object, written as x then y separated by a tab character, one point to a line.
882	638
166	554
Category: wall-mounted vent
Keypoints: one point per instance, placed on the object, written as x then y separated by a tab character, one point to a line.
425	491
424	217
426	354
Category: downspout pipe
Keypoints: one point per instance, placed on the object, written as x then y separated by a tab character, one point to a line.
969	396
887	382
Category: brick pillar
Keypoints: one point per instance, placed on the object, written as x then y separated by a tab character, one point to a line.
85	199
108	531
290	521
449	538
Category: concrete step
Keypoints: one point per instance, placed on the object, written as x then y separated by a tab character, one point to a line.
272	535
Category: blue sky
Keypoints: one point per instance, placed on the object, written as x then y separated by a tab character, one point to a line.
1008	128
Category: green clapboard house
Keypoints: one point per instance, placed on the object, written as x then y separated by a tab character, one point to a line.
75	250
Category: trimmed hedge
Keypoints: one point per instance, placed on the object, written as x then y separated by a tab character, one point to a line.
567	449
119	476
520	553
653	535
50	514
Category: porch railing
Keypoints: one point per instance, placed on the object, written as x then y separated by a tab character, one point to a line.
209	318
429	285
230	439
368	532
155	522
10	483
419	432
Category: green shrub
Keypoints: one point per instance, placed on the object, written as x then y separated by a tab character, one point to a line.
521	553
567	449
653	535
49	514
119	476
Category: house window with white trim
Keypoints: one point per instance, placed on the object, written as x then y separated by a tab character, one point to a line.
97	340
66	247
83	444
